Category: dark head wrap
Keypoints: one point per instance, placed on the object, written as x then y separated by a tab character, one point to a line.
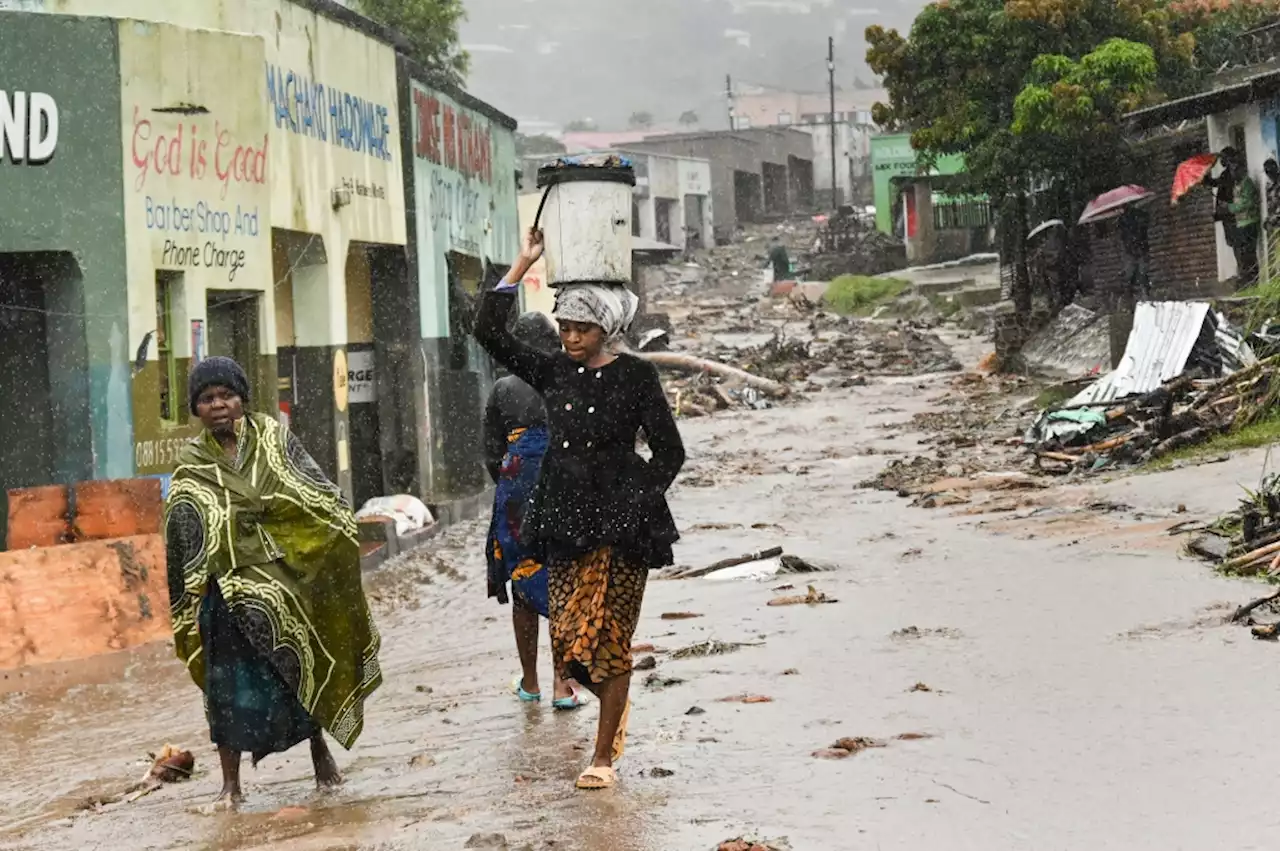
537	330
217	371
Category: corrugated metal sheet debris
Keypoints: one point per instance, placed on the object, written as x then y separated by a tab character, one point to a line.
1163	337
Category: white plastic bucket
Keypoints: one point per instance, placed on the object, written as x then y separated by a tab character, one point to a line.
586	221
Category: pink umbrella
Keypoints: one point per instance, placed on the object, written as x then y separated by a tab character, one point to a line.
1110	204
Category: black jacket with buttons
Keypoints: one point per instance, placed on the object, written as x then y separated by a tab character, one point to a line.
594	490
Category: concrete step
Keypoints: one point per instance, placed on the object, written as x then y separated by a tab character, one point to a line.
977	296
946	286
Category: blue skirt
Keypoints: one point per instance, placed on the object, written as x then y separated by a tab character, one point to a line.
249	706
509	559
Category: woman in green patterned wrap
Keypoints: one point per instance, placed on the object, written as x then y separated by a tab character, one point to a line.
268	612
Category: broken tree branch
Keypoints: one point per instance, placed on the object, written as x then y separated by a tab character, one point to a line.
1247	609
694	573
689	363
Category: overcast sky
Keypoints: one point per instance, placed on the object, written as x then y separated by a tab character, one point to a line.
548	62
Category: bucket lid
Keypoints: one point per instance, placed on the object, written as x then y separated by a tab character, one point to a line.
607	169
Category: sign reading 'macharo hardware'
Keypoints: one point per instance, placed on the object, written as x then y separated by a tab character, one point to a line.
28	128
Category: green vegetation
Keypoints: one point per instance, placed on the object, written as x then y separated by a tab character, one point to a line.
1052	397
432	29
1265	308
1264	432
858	295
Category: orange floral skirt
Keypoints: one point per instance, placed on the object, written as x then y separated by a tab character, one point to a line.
594	608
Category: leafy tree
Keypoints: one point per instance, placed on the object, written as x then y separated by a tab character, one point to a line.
689	118
580	125
1030	92
431	26
640	120
539	144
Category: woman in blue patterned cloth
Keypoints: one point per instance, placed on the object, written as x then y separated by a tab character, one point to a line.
515	439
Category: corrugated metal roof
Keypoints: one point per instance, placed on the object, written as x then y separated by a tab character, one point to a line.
1164	333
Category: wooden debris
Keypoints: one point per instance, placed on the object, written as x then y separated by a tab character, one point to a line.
694	573
813	598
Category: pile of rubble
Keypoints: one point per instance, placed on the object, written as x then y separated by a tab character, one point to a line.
1245	541
1184	412
826	351
973	432
865	251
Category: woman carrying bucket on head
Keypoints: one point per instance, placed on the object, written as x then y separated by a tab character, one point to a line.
599	514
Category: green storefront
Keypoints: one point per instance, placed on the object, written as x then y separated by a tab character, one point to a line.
64	364
893	157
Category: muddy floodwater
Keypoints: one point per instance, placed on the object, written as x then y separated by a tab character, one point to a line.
1067	674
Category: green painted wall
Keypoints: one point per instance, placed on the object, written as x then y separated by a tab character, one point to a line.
73	203
892	156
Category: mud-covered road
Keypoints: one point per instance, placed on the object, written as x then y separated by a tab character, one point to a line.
1082	691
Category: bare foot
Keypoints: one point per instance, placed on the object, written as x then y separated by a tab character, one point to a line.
327	774
228	801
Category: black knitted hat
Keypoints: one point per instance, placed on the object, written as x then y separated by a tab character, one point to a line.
221	372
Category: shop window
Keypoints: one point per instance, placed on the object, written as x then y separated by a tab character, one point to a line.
167	284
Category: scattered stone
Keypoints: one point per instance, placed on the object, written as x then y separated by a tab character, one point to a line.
707	648
661	772
642	647
912	737
646	663
696	710
422	760
920	687
856	744
679	616
487	840
744	844
657	681
791	672
424	689
911	633
747	698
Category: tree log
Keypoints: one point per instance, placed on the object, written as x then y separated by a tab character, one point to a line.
772	552
689	363
1250	557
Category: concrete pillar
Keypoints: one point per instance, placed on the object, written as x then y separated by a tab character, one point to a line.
648	218
922	246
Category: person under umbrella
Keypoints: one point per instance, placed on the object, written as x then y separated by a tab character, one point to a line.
1134	226
1247	212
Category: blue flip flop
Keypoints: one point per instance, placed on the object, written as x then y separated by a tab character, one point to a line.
517	686
567	704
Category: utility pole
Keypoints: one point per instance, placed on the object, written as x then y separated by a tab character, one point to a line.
831	117
728	93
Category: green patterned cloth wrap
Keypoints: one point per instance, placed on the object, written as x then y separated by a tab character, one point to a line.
281	541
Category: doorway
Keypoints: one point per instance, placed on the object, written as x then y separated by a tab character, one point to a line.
233	332
43	368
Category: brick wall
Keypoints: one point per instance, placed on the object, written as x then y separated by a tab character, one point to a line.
1184	261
